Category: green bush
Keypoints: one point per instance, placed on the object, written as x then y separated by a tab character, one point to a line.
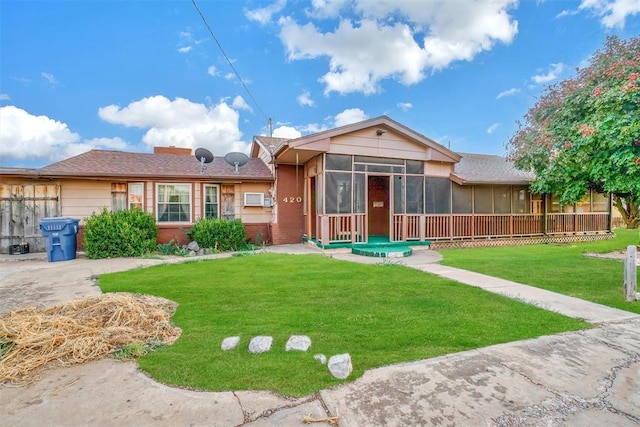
219	234
125	233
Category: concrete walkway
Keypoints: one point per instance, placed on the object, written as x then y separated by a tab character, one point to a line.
584	378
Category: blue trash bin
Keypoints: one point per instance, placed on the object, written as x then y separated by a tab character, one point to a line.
60	234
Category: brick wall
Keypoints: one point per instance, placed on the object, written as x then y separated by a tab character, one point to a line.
290	217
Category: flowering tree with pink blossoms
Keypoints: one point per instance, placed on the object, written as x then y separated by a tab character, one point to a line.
584	132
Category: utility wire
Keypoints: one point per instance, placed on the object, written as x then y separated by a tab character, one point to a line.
228	60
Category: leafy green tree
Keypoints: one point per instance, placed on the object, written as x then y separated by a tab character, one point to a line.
584	132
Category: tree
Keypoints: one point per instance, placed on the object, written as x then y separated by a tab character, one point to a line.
584	132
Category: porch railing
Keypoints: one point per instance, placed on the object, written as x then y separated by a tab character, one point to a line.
341	228
420	227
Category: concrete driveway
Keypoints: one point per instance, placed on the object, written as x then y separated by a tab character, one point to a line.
586	378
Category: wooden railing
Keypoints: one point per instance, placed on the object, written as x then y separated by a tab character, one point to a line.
342	228
407	227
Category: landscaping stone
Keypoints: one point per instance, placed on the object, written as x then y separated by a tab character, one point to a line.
200	252
192	253
298	342
260	344
193	246
207	251
321	358
230	343
340	366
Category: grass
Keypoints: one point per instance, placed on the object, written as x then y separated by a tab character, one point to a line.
559	268
380	314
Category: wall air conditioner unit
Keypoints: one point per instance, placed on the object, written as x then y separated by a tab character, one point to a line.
253	199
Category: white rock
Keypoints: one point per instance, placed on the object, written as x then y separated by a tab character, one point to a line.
193	246
230	343
260	344
340	366
298	342
321	358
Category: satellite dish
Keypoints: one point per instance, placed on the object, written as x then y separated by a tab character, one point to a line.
236	159
204	156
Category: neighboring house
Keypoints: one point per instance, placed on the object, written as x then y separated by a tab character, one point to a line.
169	184
375	178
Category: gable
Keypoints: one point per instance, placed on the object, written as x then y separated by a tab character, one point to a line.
378	137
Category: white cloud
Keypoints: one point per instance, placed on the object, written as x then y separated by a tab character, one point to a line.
240	104
304	99
567	13
314	128
554	72
49	77
493	128
381	47
263	15
181	123
4	97
25	137
348	116
286	132
508	92
405	106
212	71
612	13
184	49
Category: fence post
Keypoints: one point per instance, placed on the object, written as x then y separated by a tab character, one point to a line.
630	267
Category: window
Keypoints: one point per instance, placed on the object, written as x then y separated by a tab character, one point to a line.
501	199
520	199
136	196
462	199
415	195
438	195
118	196
398	194
338	193
211	201
174	202
600	202
338	162
483	200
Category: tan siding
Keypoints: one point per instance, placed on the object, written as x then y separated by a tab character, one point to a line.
438	169
80	199
390	144
252	214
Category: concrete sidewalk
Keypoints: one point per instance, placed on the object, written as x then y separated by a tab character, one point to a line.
584	378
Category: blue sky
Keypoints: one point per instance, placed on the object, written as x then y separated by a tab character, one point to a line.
130	75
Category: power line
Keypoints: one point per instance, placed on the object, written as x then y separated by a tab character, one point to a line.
229	60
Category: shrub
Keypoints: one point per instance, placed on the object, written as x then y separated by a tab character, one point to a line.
125	233
219	234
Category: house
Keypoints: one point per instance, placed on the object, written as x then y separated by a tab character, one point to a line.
378	178
170	183
372	180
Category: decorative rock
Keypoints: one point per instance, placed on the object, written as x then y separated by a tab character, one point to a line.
260	344
192	253
200	252
340	366
321	358
193	246
230	343
207	251
298	342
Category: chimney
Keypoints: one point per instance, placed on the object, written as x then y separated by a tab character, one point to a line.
172	149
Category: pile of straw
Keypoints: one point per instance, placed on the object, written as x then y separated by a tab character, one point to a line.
79	331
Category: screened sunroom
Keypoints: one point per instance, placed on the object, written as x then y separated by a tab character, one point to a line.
354	199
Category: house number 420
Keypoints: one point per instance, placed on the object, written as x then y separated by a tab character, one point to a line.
292	199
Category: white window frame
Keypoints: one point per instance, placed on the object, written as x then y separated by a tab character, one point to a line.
130	193
247	202
204	199
179	184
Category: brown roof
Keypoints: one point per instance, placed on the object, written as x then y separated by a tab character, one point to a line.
103	163
269	142
489	169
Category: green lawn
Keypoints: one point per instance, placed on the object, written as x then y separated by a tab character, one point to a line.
559	268
380	314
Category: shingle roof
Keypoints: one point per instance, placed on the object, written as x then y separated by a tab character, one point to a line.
103	163
489	169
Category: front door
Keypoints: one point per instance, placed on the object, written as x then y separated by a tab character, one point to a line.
378	205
